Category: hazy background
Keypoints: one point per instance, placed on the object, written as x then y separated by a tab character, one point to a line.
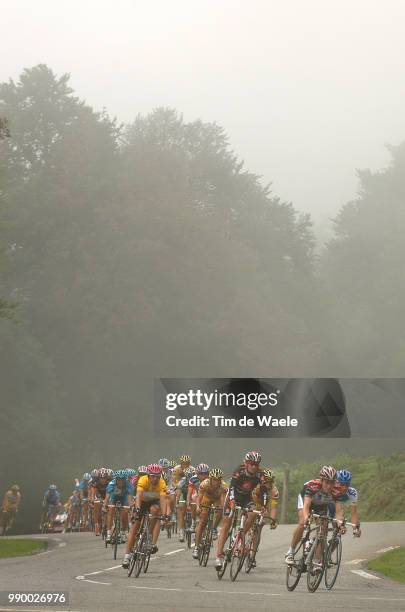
307	91
143	250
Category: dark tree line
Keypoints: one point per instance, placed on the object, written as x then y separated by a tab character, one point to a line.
147	250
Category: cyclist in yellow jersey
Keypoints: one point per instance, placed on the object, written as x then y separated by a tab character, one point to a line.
150	497
211	492
9	509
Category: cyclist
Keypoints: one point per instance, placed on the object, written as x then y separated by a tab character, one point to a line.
168	478
9	508
315	495
98	490
73	509
84	497
178	475
244	479
344	494
181	491
265	496
150	497
120	490
50	503
211	492
201	473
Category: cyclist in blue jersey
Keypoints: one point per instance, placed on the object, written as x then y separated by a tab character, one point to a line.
121	490
51	502
346	495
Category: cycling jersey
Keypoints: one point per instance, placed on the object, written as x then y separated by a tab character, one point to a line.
11	501
243	483
211	494
264	498
120	493
51	497
84	488
99	488
149	490
320	500
350	496
178	474
74	501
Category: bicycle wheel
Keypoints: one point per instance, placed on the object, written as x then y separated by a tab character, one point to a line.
237	555
117	535
140	554
132	563
332	561
294	571
227	555
314	572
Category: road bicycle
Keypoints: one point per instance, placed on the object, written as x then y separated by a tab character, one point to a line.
312	550
207	535
116	530
6	520
333	554
140	555
254	541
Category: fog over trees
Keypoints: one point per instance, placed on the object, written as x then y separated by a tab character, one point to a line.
130	252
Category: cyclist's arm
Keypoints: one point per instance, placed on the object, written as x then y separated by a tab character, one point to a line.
130	499
138	499
306	510
339	511
106	500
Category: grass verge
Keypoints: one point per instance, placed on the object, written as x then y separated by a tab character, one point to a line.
20	547
391	564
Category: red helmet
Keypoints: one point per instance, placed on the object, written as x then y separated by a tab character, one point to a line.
154	468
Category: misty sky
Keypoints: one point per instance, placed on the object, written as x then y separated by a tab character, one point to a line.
307	90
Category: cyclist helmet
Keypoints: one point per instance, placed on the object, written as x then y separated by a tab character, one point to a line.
86	476
142	469
164	463
172	463
104	473
344	477
131	472
216	473
202	467
194	480
53	487
94	473
15	488
121	474
253	456
328	472
154	469
189	472
268	475
185	459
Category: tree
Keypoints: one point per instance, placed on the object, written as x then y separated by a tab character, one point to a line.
363	271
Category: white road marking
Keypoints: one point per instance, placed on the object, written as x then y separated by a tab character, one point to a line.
173	552
61	544
379	599
107	569
383	550
364	574
203	591
354	562
95	581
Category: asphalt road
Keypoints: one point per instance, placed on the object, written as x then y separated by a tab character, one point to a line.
79	564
